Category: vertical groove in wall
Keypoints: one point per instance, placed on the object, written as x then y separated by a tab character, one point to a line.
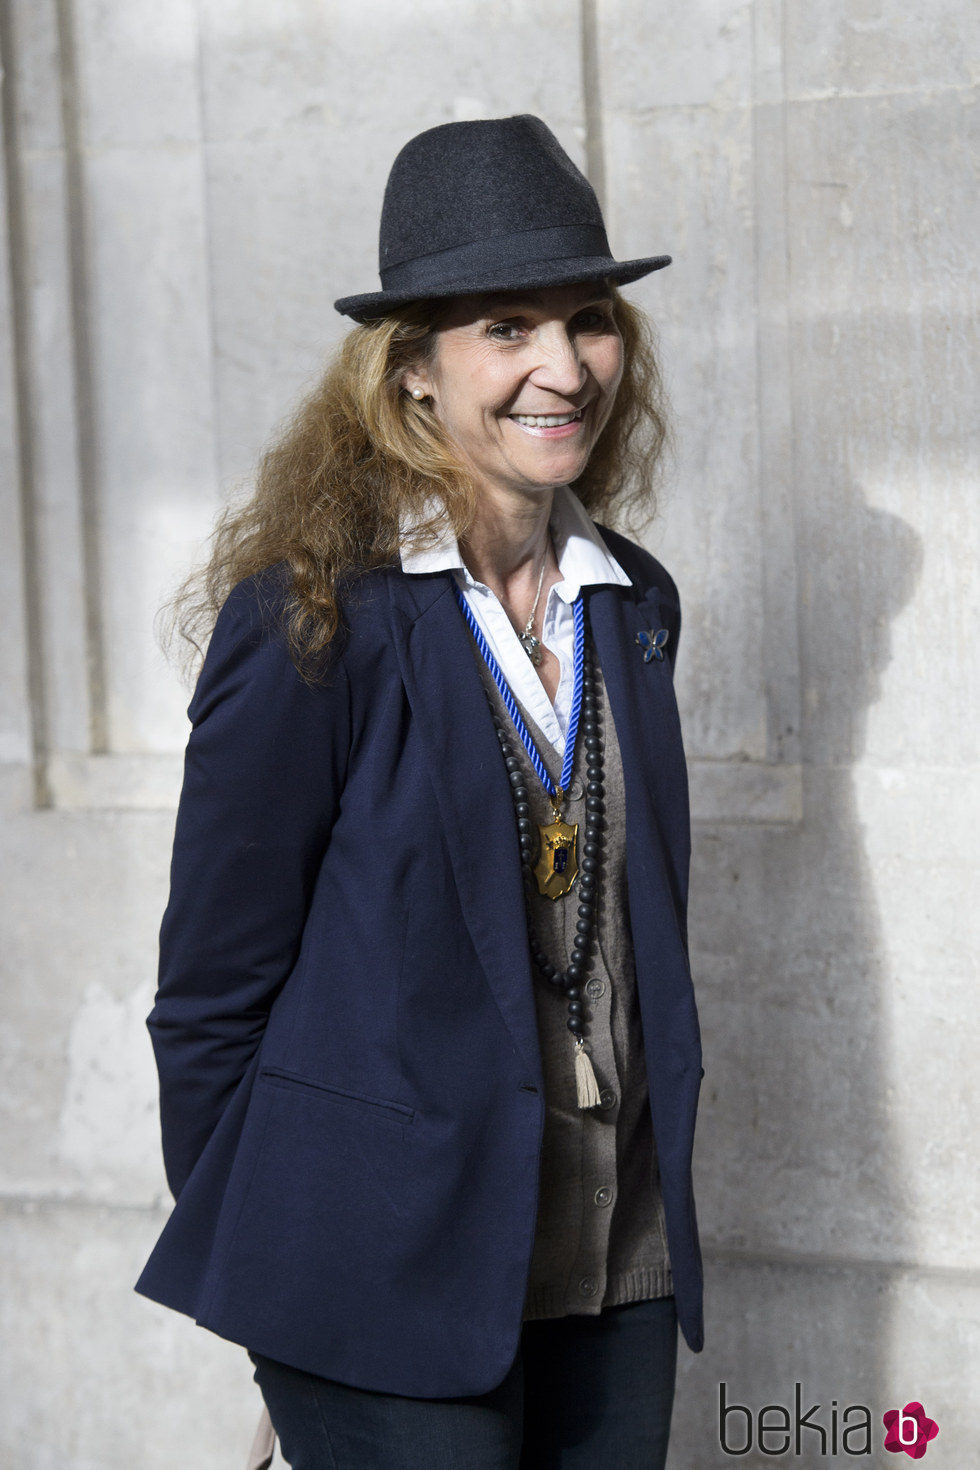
796	744
209	262
789	748
791	403
595	155
18	347
87	454
774	377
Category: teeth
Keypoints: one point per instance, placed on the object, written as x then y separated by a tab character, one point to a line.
546	421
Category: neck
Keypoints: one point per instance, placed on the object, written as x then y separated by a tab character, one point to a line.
505	543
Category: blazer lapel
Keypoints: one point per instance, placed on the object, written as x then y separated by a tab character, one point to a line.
473	794
472	790
641	697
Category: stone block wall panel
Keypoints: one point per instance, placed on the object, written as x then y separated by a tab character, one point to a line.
186	190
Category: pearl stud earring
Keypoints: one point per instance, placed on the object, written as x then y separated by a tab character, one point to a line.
418	394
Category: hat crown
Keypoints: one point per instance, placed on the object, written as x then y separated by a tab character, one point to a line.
464	182
488	205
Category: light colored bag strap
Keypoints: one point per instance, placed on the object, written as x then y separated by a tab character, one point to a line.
264	1444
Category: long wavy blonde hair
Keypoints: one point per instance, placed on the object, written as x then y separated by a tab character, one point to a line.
358	450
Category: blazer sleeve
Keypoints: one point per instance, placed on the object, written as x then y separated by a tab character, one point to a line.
263	772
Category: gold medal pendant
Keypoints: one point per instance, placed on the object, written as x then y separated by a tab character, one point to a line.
557	865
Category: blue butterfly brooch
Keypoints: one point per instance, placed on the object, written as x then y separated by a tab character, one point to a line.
652	643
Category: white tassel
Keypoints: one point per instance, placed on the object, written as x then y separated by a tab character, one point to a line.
585	1083
264	1445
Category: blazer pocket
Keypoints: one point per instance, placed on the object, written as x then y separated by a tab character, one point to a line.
295	1082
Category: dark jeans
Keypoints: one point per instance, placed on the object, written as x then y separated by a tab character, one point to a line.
584	1393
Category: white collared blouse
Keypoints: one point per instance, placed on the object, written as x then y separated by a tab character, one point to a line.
583	559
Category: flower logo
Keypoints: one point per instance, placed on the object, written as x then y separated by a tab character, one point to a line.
909	1429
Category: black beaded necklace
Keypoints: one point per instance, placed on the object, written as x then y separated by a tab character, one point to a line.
568	983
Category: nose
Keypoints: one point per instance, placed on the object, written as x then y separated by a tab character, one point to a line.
559	368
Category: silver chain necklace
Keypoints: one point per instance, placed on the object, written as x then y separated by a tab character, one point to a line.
530	644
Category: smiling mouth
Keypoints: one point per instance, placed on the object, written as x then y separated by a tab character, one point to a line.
546	420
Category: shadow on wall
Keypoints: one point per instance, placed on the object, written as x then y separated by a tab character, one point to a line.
801	1194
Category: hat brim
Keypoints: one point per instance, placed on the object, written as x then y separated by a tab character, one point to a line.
532	276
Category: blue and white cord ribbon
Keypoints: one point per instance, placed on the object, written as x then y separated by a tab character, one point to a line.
578	617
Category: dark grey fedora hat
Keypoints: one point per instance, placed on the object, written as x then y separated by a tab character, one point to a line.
495	205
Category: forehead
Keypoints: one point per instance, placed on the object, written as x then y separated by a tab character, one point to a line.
556	299
550	297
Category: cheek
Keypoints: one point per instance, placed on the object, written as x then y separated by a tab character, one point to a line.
471	394
612	365
469	418
605	364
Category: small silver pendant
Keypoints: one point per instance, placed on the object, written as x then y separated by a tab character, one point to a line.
531	646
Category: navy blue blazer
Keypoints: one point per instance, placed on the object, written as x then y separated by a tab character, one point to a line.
351	1091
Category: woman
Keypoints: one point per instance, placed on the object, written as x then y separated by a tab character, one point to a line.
426	1035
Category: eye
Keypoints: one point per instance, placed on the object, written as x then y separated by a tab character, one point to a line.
594	319
505	331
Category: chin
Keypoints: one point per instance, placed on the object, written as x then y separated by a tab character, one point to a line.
561	472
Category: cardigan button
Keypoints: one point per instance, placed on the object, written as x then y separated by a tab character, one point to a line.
603	1195
595	988
588	1286
607	1098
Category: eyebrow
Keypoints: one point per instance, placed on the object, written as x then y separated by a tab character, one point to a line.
488	302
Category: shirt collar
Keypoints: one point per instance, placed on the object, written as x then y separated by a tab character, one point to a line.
583	557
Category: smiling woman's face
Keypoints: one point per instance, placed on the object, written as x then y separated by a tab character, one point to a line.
504	363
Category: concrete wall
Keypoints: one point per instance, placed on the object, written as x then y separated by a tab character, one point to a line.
186	189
